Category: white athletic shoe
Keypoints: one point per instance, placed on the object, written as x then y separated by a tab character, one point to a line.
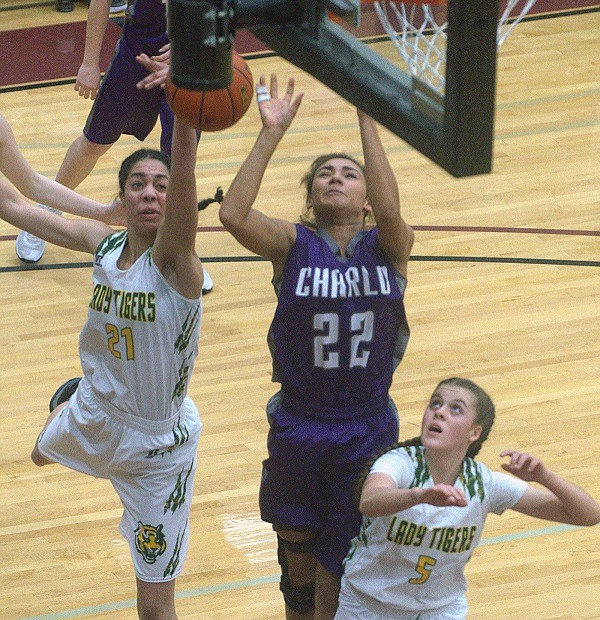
208	284
30	248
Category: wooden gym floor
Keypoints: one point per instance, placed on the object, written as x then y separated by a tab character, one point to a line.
504	288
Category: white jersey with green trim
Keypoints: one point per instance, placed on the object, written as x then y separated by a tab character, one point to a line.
140	340
413	561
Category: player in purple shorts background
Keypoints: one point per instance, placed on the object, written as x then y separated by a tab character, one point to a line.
338	333
119	107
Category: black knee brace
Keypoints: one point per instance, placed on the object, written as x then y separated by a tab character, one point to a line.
301	599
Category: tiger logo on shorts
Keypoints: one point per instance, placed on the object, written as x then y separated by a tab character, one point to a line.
150	541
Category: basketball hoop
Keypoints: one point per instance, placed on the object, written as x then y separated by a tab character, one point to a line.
421	33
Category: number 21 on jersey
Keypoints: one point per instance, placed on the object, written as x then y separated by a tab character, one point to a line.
120	342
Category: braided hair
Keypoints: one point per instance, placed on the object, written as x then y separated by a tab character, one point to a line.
218	198
484	416
415	441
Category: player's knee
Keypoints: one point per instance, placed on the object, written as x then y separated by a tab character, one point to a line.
300	597
156	600
93	150
149	609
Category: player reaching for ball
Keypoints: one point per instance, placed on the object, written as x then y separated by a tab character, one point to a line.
119	106
338	333
129	418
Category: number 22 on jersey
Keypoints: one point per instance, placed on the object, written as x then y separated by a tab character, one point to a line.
327	344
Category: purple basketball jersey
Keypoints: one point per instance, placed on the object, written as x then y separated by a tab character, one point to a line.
339	329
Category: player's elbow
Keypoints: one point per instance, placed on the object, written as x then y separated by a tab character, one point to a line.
225	214
229	217
587	516
592	519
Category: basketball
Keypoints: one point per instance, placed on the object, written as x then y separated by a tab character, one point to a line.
214	110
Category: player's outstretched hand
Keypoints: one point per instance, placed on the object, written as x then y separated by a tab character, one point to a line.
115	214
444	495
277	112
164	54
524	466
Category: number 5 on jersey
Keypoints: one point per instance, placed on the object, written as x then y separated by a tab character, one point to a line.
424	567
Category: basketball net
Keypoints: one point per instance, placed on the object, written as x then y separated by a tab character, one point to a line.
421	37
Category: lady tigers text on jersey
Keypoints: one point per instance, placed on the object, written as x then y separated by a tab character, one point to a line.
132	305
446	539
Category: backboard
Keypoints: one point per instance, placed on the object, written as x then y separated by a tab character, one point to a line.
425	69
343	44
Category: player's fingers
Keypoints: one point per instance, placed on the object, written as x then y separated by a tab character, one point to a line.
289	92
531	462
262	93
453	496
456	494
145	81
521	461
274	85
296	102
512	454
144	60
